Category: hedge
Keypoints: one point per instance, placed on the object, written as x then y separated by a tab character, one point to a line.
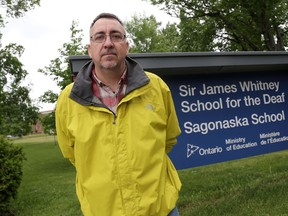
11	162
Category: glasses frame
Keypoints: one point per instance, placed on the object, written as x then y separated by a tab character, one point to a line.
113	37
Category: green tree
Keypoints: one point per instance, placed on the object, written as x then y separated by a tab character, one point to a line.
15	9
16	110
194	38
148	36
11	161
230	25
59	70
17	113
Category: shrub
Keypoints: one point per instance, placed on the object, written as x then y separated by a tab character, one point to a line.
11	161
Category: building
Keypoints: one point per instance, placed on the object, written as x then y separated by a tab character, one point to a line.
38	128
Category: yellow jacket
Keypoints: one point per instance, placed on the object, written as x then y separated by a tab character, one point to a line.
121	160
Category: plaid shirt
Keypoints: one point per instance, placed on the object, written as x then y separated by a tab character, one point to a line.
104	92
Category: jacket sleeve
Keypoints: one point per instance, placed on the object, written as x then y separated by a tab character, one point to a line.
65	140
173	129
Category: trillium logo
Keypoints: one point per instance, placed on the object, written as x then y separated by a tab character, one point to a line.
149	107
191	149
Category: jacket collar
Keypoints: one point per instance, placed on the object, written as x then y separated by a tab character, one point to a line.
82	88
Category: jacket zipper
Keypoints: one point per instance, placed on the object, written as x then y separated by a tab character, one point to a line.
114	120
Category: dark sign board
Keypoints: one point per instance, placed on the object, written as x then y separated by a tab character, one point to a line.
229	105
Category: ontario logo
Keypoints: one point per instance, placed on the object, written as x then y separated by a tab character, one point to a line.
191	149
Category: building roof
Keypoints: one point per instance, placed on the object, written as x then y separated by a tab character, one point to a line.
202	62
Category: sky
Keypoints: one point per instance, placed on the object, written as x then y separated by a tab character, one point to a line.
43	30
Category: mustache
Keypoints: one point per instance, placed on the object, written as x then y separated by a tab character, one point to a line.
109	51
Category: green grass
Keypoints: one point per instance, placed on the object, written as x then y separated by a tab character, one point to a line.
48	184
252	186
256	186
35	138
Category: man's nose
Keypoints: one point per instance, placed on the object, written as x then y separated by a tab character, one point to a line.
108	42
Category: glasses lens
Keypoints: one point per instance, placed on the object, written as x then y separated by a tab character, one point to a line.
114	37
98	38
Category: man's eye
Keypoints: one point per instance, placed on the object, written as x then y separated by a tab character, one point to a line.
116	36
99	37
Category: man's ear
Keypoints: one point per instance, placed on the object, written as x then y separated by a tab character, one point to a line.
89	50
127	49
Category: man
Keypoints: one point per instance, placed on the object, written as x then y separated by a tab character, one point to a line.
116	124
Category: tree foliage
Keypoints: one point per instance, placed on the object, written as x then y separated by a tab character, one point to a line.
147	35
11	161
59	70
15	9
227	25
17	113
16	110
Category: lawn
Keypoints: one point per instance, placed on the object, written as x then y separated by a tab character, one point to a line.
253	186
48	186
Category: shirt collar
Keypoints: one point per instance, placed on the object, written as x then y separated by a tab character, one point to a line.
123	79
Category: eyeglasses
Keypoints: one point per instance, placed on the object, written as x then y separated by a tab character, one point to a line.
115	37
